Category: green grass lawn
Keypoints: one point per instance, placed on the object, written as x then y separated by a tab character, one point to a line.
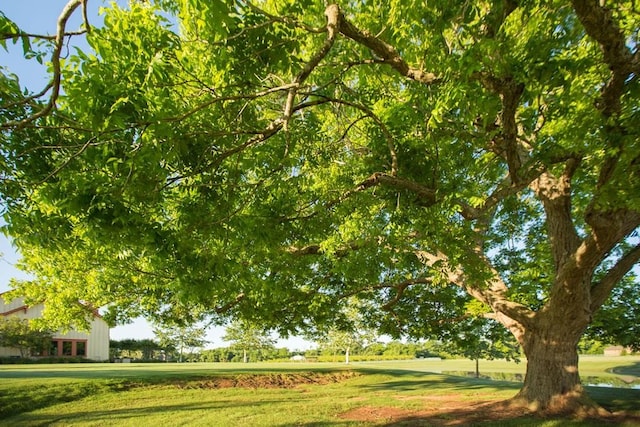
373	393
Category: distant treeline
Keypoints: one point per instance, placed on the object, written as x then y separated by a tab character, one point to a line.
150	350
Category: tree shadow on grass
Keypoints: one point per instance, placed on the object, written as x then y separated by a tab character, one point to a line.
452	400
149	372
452	411
118	415
631	369
616	399
418	380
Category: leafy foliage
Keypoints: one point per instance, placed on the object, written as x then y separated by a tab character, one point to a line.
174	340
266	162
144	349
355	333
247	337
18	334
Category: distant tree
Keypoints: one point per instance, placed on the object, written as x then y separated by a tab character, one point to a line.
221	354
123	348
616	323
336	341
148	347
482	339
395	348
349	331
143	349
18	333
374	349
246	336
591	346
180	338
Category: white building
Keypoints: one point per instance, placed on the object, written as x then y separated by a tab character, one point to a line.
93	345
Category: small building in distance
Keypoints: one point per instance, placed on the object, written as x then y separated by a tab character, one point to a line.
93	345
617	350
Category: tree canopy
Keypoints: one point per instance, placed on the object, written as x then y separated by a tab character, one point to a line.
178	338
270	160
19	334
245	337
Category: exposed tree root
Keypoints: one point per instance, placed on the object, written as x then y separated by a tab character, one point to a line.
576	404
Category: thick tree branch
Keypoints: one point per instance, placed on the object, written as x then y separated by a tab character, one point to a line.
385	51
400	288
425	195
504	189
317	249
555	195
601	290
608	225
228	306
491	292
600	25
506	143
333	14
85	16
572	284
497	15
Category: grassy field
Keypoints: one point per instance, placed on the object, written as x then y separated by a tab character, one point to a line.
286	394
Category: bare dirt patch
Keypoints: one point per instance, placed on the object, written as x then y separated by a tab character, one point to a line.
452	411
377	414
274	380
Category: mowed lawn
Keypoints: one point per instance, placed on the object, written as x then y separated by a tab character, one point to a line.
409	393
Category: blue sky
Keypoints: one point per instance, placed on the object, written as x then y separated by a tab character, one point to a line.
39	17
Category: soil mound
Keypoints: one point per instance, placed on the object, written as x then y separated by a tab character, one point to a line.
272	380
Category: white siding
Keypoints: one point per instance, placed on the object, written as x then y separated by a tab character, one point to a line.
9	352
97	339
98	344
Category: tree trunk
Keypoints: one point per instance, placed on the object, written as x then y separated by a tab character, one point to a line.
477	367
552	382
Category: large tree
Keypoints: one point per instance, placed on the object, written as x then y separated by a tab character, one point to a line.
272	159
178	338
351	333
246	337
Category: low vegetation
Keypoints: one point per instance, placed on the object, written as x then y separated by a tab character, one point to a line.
287	394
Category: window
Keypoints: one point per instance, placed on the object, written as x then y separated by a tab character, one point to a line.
81	348
68	348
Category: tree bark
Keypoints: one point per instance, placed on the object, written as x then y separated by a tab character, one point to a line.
552	378
552	381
